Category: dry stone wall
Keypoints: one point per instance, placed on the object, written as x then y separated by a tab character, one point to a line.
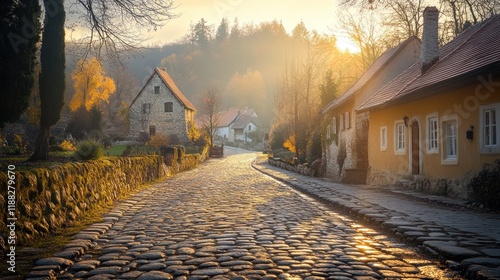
49	198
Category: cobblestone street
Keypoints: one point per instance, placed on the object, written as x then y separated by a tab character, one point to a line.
225	220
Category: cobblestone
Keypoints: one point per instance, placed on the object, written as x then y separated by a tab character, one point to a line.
224	220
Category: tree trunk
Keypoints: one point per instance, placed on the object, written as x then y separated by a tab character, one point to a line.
42	144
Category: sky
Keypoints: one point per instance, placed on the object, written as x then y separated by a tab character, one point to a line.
316	14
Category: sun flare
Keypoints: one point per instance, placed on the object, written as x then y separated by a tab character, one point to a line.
347	45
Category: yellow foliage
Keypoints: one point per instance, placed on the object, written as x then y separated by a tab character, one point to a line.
67	145
91	85
290	144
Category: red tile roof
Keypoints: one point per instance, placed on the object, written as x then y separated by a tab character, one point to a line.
476	48
167	80
227	117
369	74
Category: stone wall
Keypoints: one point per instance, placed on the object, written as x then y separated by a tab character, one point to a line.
50	198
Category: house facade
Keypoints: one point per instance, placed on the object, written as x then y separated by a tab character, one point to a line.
346	131
160	108
435	125
235	124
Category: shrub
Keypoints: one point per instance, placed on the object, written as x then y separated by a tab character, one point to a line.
83	122
485	186
158	140
67	145
89	149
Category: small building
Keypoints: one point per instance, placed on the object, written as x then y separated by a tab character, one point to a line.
243	126
160	108
225	120
435	125
345	150
237	124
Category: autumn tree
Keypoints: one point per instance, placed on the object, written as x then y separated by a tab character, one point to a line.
114	26
19	35
91	85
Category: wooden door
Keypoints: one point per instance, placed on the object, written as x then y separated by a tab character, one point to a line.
415	148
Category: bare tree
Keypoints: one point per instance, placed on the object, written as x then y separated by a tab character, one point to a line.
115	26
212	103
404	19
365	34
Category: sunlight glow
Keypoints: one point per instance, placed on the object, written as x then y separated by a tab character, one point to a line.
347	45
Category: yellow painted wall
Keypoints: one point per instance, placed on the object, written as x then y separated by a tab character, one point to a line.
463	103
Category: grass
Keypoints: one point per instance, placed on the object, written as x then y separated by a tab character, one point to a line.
116	150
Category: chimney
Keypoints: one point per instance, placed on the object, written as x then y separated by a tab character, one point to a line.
429	53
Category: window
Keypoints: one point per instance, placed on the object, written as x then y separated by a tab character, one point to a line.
328	136
146	108
169	107
488	133
383	138
152	130
400	138
490	127
249	127
334	125
157	89
341	122
450	129
347	120
432	134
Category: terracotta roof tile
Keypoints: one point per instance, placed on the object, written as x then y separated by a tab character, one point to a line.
174	89
227	117
475	48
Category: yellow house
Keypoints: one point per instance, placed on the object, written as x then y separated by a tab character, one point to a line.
435	125
345	148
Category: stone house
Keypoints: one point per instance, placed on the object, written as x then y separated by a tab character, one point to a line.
346	131
161	108
436	124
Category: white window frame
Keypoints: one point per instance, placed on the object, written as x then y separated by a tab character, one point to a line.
347	120
341	122
383	138
489	149
445	159
399	149
432	136
334	125
328	132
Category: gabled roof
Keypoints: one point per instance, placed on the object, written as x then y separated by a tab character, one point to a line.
169	82
474	50
369	74
227	117
243	121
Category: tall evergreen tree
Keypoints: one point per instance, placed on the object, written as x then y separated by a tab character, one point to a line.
328	89
222	30
52	76
19	34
